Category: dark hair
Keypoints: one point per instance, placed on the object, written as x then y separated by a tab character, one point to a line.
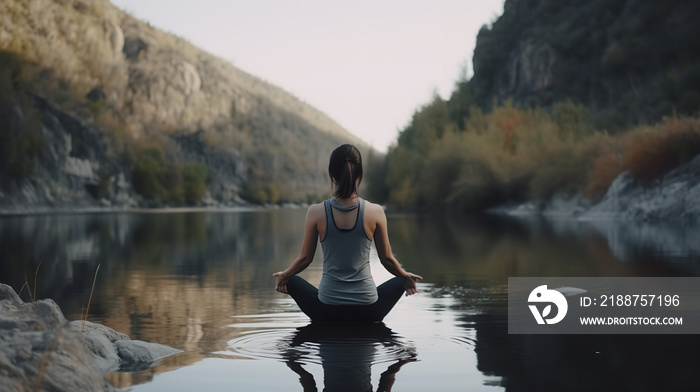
345	169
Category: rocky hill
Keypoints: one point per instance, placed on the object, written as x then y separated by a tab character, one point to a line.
572	102
98	108
627	61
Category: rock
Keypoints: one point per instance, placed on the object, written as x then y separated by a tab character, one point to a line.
529	70
8	294
80	168
563	207
138	355
99	340
674	197
115	36
40	350
96	94
50	360
191	78
110	334
48	312
132	47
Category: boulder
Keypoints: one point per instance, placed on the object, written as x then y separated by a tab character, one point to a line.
9	295
137	355
40	350
97	340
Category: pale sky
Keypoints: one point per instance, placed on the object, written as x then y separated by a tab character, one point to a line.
367	64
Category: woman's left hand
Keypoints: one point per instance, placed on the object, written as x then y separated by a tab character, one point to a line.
281	283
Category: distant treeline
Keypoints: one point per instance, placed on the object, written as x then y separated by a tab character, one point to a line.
449	159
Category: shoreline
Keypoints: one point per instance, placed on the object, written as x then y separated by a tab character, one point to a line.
674	197
5	212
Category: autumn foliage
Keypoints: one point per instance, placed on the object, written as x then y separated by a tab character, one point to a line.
513	154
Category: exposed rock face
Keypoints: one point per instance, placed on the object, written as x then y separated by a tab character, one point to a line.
133	47
192	80
508	62
126	86
115	36
227	169
39	350
674	197
68	171
621	59
528	72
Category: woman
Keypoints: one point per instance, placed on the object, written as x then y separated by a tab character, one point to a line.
346	225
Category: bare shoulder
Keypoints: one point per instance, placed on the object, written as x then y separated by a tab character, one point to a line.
376	211
315	216
316	210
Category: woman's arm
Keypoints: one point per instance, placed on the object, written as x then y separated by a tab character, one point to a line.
386	257
308	248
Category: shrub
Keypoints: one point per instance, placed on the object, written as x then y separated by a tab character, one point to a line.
653	152
262	193
147	175
606	167
571	119
194	178
17	149
158	180
20	124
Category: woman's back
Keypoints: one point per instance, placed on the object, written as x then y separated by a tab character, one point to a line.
347	279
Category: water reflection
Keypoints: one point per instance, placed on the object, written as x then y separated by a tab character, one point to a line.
347	353
451	251
199	281
163	277
606	363
586	362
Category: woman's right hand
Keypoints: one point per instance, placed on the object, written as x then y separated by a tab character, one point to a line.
281	283
409	283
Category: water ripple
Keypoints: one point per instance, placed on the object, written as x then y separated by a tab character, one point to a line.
273	337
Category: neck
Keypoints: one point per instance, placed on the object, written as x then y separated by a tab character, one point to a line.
352	198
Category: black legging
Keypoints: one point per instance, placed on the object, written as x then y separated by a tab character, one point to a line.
306	296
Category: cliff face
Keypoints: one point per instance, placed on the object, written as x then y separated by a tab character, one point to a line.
628	61
673	198
95	77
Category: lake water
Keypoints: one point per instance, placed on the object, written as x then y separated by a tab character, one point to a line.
201	281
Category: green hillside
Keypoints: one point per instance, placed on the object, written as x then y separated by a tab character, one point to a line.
171	124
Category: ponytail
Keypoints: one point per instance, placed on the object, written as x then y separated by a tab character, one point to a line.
345	169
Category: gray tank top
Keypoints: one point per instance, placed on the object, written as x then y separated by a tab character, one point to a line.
347	279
